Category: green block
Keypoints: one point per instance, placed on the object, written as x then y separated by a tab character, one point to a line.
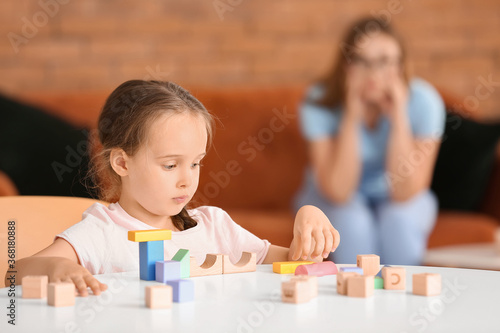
379	283
183	256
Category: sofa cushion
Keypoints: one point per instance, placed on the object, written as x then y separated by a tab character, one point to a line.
465	163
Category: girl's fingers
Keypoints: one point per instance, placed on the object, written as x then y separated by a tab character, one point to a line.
80	285
306	244
328	243
93	283
298	247
336	239
319	239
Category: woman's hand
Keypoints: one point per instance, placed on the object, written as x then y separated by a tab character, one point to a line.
313	235
396	97
65	270
355	106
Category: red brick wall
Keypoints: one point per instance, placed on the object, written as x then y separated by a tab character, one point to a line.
96	44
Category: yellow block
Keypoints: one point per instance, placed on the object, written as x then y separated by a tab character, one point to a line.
149	235
288	267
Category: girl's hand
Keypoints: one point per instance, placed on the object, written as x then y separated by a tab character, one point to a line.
312	228
65	270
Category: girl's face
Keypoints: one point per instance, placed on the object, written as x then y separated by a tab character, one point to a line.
377	59
163	175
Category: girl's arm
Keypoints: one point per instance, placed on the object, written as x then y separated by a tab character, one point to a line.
410	161
60	263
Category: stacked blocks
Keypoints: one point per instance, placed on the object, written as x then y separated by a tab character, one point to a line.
35	286
183	257
288	267
150	249
167	270
370	263
426	284
342	281
159	297
183	290
61	294
317	269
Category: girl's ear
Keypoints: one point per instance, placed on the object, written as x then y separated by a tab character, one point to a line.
118	160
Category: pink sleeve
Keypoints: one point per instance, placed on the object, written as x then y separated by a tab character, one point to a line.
236	239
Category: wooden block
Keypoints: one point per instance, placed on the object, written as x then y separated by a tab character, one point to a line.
159	297
149	253
61	294
358	270
211	266
167	270
311	279
427	284
288	267
317	269
369	262
183	290
360	286
149	235
394	278
378	282
296	291
35	286
247	263
183	257
342	281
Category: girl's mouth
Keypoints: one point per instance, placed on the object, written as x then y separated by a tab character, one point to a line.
181	199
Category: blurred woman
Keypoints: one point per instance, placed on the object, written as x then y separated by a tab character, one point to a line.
373	137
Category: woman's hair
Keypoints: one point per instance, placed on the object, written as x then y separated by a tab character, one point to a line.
124	122
334	82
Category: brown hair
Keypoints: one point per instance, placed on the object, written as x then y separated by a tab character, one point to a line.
334	81
124	121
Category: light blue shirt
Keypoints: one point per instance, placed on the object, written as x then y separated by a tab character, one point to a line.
426	113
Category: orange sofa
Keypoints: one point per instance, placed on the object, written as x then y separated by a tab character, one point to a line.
257	161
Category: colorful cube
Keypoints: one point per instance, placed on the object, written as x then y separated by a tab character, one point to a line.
394	278
360	286
159	297
183	290
358	270
427	284
378	282
167	270
61	294
369	262
288	267
35	286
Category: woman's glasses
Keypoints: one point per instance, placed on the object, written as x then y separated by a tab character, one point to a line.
381	64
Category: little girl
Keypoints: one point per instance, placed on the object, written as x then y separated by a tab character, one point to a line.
154	136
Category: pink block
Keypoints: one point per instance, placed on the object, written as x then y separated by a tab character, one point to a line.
318	269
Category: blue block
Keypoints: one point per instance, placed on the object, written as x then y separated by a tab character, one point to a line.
379	274
168	270
149	253
358	270
183	290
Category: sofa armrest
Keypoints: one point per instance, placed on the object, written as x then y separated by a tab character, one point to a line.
492	197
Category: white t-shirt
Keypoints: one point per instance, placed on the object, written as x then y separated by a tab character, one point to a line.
101	238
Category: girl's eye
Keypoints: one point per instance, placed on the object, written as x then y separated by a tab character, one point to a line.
169	167
194	165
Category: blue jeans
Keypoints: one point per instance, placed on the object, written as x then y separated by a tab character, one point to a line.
396	231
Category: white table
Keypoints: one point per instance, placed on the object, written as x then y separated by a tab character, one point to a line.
478	256
250	302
